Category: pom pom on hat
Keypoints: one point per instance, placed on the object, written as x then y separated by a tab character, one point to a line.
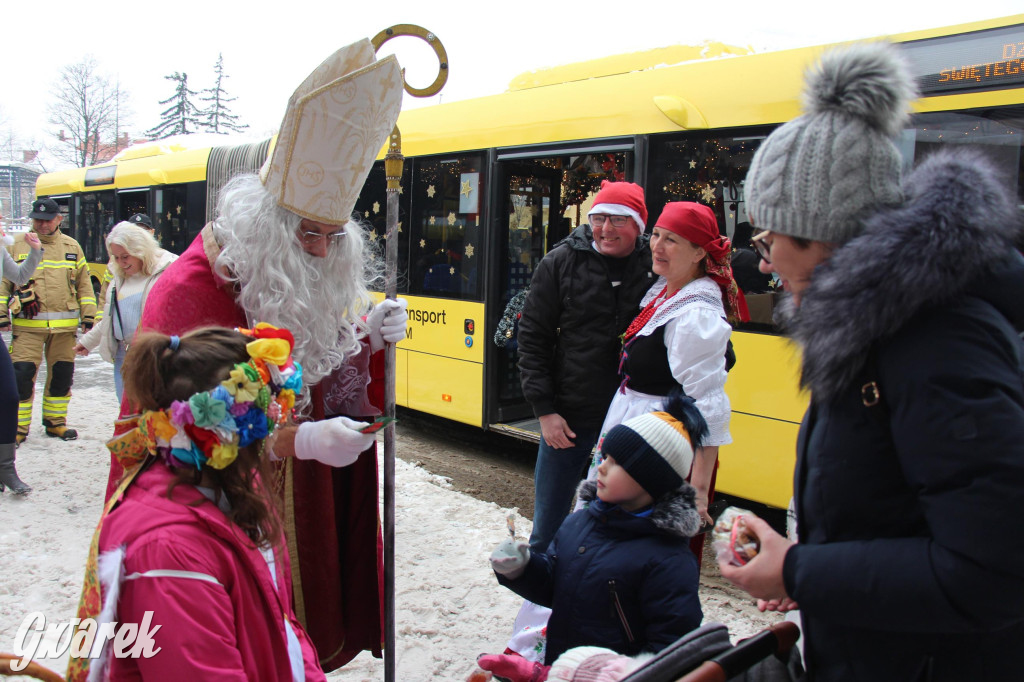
592	664
817	176
621	198
654	448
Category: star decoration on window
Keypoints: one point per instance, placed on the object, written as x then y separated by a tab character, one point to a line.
431	220
469	250
399	227
431	191
451	218
693	164
708	194
467	188
423	243
177	209
376	207
373	235
366	214
168	216
451	271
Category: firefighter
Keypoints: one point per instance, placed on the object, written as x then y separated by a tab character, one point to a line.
46	313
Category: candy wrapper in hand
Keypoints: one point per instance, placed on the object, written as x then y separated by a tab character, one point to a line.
732	541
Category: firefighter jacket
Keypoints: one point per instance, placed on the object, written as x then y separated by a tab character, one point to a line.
60	284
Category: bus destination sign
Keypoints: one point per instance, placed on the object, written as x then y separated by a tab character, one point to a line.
982	60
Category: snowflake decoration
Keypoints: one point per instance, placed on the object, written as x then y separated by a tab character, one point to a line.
451	271
366	214
423	243
373	235
178	209
168	216
431	220
451	218
376	207
708	194
469	250
431	191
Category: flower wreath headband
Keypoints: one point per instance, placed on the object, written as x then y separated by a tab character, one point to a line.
255	399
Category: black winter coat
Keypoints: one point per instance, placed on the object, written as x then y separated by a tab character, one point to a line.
911	557
570	327
616	580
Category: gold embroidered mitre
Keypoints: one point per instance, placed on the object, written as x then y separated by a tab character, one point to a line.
337	121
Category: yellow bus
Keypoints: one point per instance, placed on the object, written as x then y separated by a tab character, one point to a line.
491	184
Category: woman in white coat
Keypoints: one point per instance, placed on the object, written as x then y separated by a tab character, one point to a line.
136	260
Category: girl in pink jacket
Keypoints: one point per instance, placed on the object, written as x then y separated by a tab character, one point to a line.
193	549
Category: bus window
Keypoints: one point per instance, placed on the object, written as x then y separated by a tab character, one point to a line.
711	171
445	248
130	202
94	218
996	133
171	217
371	209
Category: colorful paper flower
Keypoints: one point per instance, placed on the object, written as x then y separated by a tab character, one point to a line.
294	382
223	454
221	393
274	411
287	399
261	367
159	426
181	413
238	409
243	383
203	439
207	410
274	351
251	426
190	457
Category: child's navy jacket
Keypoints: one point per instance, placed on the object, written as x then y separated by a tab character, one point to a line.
612	579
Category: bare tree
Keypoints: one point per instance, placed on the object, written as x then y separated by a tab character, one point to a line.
85	107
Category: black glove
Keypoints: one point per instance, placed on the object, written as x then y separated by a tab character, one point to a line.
29	302
86	325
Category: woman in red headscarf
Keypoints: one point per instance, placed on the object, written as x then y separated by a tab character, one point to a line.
682	332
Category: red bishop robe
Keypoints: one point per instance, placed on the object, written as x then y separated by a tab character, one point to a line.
332	522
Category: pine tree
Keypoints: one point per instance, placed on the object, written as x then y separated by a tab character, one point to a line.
182	117
217	117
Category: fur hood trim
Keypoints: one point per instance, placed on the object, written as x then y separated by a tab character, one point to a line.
957	224
674	513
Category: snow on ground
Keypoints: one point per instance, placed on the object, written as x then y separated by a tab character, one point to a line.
449	608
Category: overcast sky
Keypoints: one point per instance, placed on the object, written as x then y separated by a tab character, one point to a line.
269	48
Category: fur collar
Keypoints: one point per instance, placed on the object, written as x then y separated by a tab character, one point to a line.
956	225
674	513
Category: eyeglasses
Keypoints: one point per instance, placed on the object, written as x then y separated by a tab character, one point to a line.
599	219
310	237
763	249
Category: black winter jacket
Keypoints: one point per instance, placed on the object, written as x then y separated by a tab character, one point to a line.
616	580
570	327
911	557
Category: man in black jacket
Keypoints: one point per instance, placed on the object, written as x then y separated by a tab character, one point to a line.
583	295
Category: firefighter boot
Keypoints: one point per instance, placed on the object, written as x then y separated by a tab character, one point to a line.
62	432
8	474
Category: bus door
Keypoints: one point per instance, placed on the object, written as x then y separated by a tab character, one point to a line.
540	196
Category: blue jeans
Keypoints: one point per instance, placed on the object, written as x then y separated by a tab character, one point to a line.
555	478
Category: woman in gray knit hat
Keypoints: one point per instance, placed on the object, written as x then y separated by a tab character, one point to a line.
906	300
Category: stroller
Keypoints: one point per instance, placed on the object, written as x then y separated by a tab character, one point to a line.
705	655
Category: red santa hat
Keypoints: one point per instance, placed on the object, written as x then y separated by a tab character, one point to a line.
621	198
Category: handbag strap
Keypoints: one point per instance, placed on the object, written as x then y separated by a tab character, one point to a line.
117	310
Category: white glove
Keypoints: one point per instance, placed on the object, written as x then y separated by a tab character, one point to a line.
336	442
387	322
510	558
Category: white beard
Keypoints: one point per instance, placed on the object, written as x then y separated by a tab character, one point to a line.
320	300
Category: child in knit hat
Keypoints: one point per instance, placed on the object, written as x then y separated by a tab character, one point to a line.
619	573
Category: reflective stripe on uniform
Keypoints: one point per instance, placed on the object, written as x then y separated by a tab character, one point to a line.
25	413
62	315
55	406
46	324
